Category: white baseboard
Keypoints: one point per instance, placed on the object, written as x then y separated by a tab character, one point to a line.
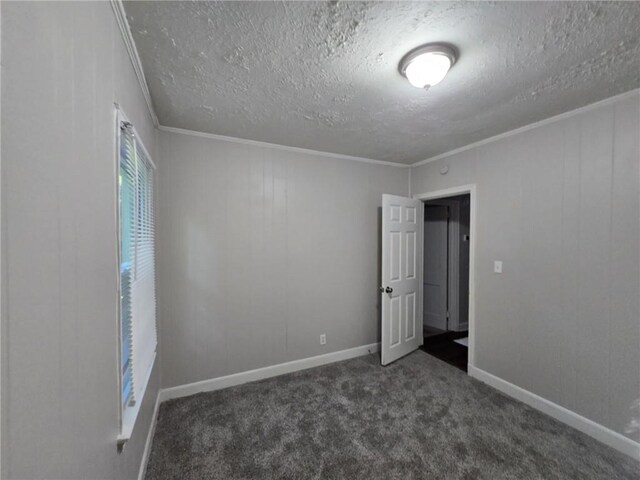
244	377
591	428
265	372
147	445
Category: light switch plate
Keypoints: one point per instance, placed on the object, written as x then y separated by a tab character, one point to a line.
497	266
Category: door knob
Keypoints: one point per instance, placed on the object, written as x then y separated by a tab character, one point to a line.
388	290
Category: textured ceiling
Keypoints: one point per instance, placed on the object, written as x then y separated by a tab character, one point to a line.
323	75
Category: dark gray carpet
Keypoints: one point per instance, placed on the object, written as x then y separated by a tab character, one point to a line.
417	418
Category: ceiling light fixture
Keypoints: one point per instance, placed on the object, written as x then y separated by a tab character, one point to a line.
427	65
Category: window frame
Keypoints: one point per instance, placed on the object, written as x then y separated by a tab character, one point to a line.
127	414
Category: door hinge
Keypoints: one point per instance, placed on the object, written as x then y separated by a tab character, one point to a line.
447	314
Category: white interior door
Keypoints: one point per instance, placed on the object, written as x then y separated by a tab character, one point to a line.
401	290
435	266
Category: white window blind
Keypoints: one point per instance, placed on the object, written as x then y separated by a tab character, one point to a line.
137	271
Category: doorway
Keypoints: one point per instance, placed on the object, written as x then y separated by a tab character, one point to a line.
447	240
402	281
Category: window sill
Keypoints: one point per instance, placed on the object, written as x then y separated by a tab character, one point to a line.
129	414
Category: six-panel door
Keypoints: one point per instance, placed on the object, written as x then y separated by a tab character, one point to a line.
401	290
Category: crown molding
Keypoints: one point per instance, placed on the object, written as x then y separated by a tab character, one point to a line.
275	146
121	18
531	126
123	23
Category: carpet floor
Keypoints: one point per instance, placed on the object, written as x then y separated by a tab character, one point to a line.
417	418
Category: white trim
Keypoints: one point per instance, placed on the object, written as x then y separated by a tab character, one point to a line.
531	126
122	117
265	372
256	143
473	207
116	164
147	444
129	417
125	29
599	432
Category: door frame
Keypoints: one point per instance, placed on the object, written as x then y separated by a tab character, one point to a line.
473	206
453	262
446	245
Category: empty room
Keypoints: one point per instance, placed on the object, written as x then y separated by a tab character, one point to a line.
319	240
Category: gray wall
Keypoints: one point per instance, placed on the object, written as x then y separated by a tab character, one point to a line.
63	67
559	204
262	250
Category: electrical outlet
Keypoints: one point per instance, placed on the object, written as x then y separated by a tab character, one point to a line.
323	339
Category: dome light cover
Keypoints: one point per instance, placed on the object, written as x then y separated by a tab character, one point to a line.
427	65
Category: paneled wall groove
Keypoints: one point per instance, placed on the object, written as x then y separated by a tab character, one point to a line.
59	319
260	251
559	203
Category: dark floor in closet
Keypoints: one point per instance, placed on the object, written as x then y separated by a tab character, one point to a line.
443	347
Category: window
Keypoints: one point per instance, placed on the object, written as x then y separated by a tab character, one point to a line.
138	336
